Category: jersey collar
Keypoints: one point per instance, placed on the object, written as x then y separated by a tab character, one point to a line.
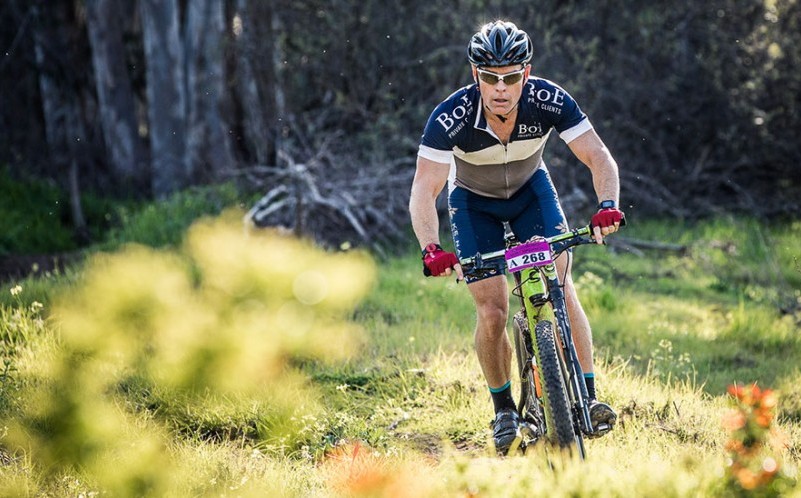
480	122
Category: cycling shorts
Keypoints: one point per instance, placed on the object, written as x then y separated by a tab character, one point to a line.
477	222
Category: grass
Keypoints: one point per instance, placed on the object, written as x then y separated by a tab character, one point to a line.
404	411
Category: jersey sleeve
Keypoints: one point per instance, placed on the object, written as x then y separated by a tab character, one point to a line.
437	142
568	118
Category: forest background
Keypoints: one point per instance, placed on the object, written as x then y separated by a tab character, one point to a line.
319	105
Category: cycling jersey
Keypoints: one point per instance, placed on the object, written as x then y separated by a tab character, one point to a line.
457	133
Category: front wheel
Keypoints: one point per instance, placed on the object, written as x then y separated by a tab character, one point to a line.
558	416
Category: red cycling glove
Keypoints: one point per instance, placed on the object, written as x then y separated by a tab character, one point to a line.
436	261
606	217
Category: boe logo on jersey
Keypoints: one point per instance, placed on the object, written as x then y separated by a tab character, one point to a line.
531	130
459	112
550	100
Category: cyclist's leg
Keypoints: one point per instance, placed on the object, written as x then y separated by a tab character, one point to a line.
477	231
491	341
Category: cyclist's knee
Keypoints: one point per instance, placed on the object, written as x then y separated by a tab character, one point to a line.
491	318
493	313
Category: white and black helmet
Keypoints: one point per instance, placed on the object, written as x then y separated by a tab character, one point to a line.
499	43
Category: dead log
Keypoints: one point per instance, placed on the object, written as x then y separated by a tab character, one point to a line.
636	246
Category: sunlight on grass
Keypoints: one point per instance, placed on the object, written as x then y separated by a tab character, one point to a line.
244	365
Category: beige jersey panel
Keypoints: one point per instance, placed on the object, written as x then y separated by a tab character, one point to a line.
498	171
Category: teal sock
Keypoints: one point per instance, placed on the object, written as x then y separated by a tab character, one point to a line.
502	397
589	379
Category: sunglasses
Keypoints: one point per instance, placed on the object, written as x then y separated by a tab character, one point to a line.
491	78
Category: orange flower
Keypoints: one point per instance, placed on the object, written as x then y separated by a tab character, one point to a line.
734	446
763	418
752	436
734	420
735	390
748	480
769	399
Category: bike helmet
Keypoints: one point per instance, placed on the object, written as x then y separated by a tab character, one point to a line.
499	43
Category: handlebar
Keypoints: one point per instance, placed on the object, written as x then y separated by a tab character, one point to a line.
559	243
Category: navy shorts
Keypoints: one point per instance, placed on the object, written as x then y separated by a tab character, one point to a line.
477	222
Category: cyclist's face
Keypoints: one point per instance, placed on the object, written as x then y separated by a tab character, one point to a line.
501	96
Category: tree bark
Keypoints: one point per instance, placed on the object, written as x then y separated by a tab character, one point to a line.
208	150
256	127
166	94
259	63
117	108
64	126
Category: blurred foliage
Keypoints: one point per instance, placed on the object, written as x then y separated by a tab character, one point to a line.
224	319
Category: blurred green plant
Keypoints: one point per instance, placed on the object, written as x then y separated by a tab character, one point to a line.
223	319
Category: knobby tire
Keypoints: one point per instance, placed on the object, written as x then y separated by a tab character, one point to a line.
558	417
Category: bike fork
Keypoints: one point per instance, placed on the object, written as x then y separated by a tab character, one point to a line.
574	373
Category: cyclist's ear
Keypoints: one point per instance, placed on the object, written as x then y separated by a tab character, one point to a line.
475	74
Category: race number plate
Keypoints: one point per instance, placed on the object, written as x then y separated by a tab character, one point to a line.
528	255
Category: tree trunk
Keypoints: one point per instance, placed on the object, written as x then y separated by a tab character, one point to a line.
277	111
64	127
117	109
166	94
256	127
208	153
260	59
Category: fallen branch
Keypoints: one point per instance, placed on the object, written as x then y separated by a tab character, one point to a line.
634	245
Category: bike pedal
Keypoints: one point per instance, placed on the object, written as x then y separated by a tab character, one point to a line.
513	447
515	444
530	431
600	431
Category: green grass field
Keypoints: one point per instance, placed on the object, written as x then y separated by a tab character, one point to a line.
228	365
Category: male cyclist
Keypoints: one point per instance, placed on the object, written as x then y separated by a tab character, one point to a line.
486	140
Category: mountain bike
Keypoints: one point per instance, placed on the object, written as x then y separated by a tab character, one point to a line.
553	401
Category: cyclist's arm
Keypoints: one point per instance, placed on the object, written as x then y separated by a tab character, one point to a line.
429	180
590	149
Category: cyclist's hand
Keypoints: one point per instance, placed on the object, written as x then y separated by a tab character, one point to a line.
604	222
438	263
